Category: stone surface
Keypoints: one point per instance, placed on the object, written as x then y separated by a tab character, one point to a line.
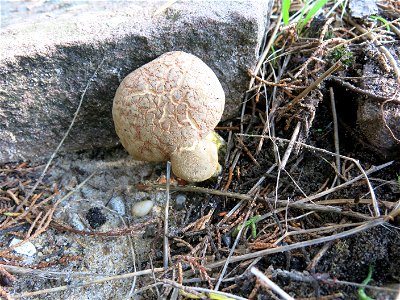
47	60
374	119
363	8
27	248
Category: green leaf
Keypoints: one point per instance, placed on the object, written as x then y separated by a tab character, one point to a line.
361	291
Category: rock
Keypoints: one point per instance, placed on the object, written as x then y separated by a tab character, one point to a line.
142	208
48	60
75	221
363	8
117	204
27	249
374	129
180	200
369	114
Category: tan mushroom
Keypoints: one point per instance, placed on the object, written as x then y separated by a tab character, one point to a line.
167	110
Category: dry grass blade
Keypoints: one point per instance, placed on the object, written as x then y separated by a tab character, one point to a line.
364	174
202	293
269	283
363	227
79	285
381	48
166	216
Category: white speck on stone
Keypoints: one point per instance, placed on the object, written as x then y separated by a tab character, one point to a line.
142	208
27	249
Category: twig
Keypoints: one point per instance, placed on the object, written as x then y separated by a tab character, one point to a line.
363	227
47	273
300	204
166	214
318	256
336	135
265	52
364	174
229	180
270	284
336	66
96	281
381	48
369	94
298	276
248	152
239	235
207	292
289	149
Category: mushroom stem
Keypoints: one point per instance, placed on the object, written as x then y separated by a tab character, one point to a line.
199	161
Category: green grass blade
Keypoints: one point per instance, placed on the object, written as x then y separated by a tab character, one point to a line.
384	21
314	9
285	11
302	14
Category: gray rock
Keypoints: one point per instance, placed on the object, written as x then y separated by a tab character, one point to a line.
47	61
363	8
75	221
27	248
372	123
117	204
180	200
374	129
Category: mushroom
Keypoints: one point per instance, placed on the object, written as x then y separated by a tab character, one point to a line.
167	110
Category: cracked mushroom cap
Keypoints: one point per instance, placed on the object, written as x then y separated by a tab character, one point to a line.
167	109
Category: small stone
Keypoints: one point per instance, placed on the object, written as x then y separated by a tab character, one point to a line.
142	208
227	240
117	204
75	221
88	192
95	217
27	249
180	201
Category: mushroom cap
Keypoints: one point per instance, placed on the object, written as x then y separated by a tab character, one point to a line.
172	102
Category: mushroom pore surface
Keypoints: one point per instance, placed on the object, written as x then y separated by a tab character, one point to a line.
166	109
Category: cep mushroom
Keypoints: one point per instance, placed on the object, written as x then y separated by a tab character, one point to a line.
167	110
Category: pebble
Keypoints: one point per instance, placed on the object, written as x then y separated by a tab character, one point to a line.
227	240
180	201
117	204
27	249
75	221
142	208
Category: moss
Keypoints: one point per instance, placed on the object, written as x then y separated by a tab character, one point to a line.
342	53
